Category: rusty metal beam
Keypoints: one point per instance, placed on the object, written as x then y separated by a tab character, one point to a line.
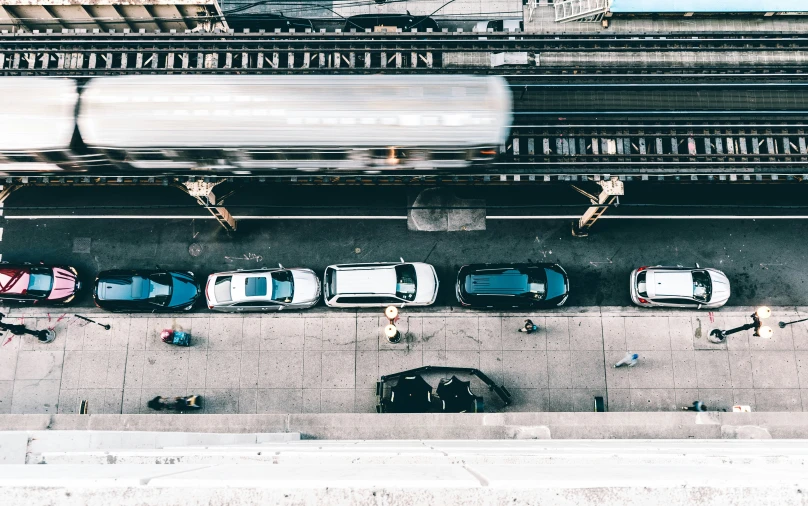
34	17
7	20
168	17
150	15
72	17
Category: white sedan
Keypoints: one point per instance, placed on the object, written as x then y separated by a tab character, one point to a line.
682	287
380	284
262	290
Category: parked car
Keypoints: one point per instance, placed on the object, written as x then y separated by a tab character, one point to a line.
38	284
262	290
146	290
679	286
512	285
380	284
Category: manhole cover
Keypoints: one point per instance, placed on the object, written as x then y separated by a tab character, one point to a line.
357	250
195	249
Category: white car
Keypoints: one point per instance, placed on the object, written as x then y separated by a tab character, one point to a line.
380	284
262	290
682	287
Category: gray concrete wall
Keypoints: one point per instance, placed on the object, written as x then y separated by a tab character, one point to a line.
675	425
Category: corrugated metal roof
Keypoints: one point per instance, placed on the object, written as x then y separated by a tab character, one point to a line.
105	15
728	6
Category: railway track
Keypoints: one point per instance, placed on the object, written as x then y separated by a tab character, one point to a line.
88	54
547	152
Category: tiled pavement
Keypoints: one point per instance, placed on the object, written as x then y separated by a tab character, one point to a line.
322	361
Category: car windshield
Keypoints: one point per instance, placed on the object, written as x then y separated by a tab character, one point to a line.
283	288
157	288
537	282
702	286
405	281
642	287
330	283
40	282
221	289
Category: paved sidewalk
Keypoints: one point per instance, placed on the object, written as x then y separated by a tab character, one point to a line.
329	361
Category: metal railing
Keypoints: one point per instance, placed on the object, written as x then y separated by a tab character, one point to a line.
580	10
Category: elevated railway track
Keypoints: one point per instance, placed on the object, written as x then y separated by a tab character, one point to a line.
535	152
90	54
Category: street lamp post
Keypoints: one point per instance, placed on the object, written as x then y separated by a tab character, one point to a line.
391	331
782	325
761	330
44	335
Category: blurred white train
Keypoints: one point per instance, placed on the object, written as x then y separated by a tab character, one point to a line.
184	124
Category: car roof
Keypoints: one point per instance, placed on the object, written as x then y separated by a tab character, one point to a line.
250	286
379	279
669	283
507	282
123	287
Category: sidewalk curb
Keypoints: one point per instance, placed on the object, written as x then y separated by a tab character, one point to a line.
324	312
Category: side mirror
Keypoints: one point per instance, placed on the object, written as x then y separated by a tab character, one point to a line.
279	265
402	259
699	304
697	265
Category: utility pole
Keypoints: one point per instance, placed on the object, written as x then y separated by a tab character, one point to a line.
610	191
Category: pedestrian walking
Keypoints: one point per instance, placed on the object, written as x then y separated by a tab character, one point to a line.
630	360
697	406
529	327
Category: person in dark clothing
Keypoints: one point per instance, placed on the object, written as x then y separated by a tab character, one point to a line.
189	403
529	327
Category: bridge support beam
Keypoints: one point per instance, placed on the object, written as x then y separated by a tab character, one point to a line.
203	192
610	191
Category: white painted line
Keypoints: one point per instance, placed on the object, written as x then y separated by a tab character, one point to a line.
179	217
323	217
655	217
326	217
1	233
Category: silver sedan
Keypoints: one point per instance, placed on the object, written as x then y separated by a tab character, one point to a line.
262	290
682	287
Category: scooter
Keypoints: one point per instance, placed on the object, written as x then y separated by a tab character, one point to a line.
175	337
180	404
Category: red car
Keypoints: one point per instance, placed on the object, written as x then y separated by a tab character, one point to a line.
38	284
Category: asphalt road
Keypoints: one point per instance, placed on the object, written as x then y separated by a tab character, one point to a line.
764	259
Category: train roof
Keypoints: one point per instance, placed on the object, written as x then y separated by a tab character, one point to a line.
38	113
295	111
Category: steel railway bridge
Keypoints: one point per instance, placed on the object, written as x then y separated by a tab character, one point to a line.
714	107
77	53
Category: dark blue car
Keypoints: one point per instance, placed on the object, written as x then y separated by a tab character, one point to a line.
512	285
146	290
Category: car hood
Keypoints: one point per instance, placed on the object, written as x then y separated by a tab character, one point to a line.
556	284
184	290
426	283
64	284
721	289
307	286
